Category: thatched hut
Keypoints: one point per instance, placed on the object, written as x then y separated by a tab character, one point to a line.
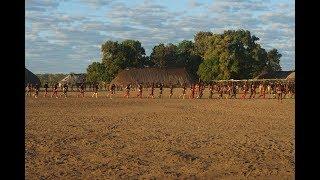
276	75
31	78
73	79
149	75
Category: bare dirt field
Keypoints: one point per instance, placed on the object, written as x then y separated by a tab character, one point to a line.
89	138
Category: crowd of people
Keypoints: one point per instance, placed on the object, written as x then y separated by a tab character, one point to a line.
225	90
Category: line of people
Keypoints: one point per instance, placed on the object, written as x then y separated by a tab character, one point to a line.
230	90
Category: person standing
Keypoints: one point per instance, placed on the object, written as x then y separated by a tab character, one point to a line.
55	90
291	89
65	90
228	91
273	90
262	90
279	92
161	90
192	89
113	90
200	90
218	89
184	88
46	86
253	90
95	90
264	85
140	90
127	91
81	90
233	91
221	90
286	89
269	89
245	90
210	91
151	91
36	88
28	90
171	91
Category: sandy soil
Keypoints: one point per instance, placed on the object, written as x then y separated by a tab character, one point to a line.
88	138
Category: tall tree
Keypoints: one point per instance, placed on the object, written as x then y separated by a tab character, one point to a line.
157	56
117	56
164	55
273	61
237	54
201	42
134	52
209	70
96	72
187	57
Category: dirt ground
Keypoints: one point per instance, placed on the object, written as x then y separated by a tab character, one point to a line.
89	138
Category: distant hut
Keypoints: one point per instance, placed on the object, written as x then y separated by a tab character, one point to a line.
31	78
149	75
73	80
276	75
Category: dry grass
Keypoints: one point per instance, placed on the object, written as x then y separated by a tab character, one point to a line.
82	138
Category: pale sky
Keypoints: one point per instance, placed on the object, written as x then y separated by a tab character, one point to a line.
64	36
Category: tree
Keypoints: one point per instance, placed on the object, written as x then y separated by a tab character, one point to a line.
96	72
237	54
157	56
273	60
209	70
164	56
134	52
201	42
117	56
187	57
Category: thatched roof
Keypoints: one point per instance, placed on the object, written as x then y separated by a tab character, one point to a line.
291	77
134	76
275	75
73	79
31	78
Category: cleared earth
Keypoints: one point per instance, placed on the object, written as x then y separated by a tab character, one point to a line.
89	138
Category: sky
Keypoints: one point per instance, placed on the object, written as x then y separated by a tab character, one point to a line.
63	36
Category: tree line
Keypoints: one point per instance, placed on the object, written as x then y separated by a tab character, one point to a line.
233	54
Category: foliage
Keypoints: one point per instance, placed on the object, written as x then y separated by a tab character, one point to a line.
181	55
164	56
96	72
232	54
273	63
117	56
188	57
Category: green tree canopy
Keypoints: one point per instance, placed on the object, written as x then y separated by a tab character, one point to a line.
233	54
117	56
187	57
201	43
209	69
273	63
96	72
164	55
